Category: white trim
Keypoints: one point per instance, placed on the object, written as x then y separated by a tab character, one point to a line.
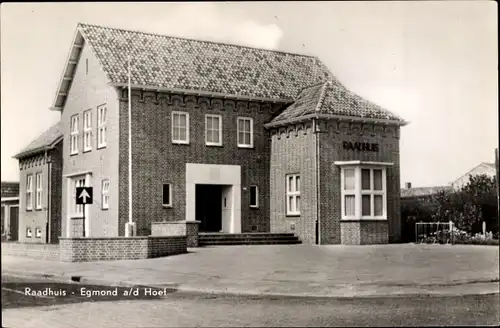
101	125
74	174
343	163
220	130
256	196
6	199
105	193
180	141
294	194
243	119
74	134
29	191
38	190
358	192
87	130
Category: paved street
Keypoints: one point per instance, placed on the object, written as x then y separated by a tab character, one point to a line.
336	270
178	309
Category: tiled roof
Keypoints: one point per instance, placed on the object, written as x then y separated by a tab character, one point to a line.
423	191
9	189
186	64
43	141
333	99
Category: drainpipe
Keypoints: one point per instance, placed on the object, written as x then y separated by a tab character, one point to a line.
49	178
318	209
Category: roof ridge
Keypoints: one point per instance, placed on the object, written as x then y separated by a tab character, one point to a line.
193	39
322	95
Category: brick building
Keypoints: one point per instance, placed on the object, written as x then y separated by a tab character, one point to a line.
9	210
40	177
240	139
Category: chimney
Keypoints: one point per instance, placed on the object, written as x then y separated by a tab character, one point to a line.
408	185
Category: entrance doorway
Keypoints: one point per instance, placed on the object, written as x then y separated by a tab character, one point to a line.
14	223
209	207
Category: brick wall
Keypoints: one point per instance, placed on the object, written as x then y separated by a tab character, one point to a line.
34	218
31	250
120	248
364	232
293	151
177	228
332	136
9	189
157	161
55	192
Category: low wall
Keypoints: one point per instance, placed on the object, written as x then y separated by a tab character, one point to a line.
31	250
98	249
177	228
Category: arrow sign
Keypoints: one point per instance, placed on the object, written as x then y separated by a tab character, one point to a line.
83	195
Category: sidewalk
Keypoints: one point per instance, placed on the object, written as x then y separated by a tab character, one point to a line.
298	270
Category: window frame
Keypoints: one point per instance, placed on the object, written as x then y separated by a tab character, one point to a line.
210	143
74	134
243	119
179	141
169	195
256	205
293	194
102	126
38	191
87	130
77	210
29	192
105	194
358	192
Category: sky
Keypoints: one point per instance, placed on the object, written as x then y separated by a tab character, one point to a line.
433	63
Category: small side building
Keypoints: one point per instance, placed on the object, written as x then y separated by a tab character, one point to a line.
487	169
40	177
9	210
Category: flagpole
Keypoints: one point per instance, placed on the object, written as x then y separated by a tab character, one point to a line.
130	227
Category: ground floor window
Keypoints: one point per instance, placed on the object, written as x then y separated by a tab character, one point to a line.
293	194
254	196
167	195
364	192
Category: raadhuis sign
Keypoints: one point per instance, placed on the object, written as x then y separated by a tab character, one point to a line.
360	146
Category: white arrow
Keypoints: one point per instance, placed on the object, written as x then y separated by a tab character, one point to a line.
84	194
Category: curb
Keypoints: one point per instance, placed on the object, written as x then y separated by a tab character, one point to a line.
197	291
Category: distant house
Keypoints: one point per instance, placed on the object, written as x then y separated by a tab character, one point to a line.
9	210
421	192
483	168
40	165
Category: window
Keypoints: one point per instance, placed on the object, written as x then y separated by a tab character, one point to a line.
38	232
180	127
293	194
105	194
87	130
167	195
101	126
77	209
254	196
28	232
73	142
213	130
29	192
39	190
245	132
363	192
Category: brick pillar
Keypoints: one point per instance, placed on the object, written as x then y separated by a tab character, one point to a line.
192	233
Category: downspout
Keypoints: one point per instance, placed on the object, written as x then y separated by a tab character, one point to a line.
49	178
318	209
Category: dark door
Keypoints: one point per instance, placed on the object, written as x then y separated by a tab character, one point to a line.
14	223
209	207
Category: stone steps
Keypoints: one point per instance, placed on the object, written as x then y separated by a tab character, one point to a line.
214	239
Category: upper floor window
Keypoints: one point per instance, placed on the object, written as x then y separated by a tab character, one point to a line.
29	192
101	126
39	191
293	194
245	132
73	141
213	130
105	194
87	130
180	127
364	194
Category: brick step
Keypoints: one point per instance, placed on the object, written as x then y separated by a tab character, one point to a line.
245	236
249	242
